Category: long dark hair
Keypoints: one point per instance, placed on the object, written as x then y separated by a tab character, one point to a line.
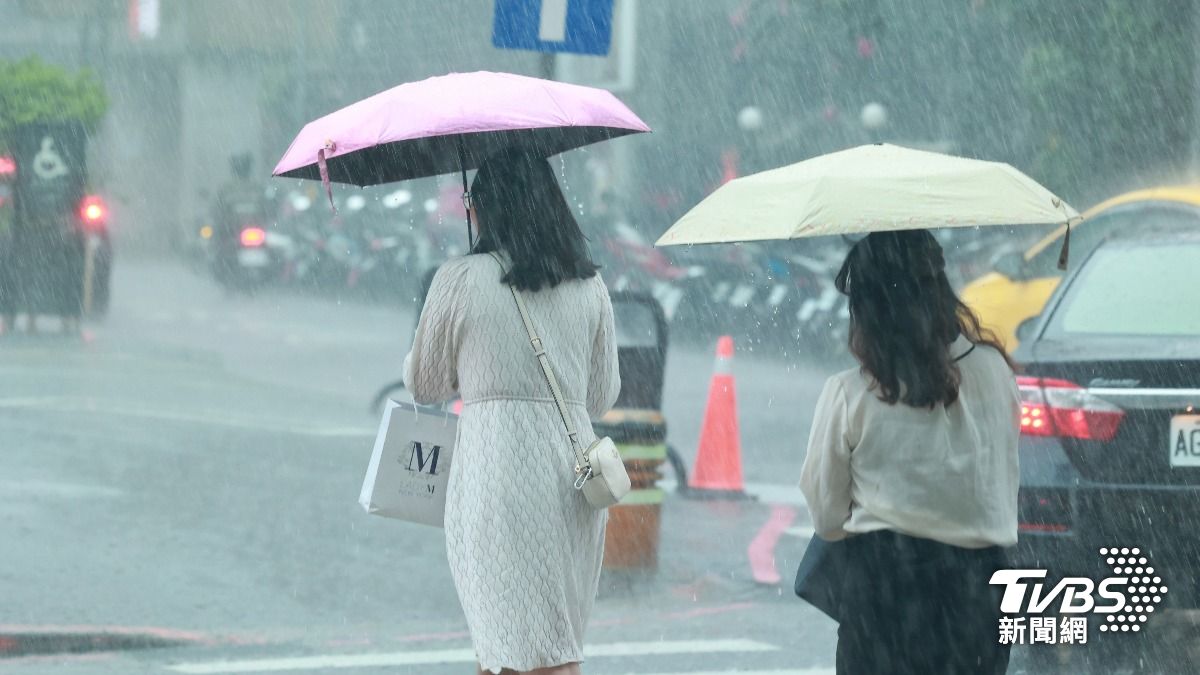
904	316
522	212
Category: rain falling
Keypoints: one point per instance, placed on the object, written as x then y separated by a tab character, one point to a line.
563	336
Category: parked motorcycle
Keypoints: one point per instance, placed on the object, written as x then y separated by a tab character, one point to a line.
399	246
629	262
308	265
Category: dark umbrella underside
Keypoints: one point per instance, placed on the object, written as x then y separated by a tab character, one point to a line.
437	155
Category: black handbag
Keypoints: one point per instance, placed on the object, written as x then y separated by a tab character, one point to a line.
821	575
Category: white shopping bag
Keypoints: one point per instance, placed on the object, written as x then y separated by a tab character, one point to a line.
410	466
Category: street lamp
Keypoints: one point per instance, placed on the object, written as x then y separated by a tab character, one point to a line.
750	118
750	121
873	117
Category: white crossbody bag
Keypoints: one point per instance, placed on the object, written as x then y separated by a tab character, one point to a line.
599	471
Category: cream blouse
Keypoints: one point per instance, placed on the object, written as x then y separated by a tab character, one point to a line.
948	474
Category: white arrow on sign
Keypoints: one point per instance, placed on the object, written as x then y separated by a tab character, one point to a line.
553	26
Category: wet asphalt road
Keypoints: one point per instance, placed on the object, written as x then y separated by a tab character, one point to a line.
187	475
184	483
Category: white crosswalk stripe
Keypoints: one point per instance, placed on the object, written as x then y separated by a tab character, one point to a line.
801	531
466	655
801	671
767	493
94	406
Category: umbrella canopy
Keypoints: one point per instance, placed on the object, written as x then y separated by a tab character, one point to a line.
453	123
872	188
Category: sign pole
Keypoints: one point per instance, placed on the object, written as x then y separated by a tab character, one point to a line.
89	274
547	62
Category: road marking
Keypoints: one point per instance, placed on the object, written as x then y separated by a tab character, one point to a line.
431	637
709	611
803	671
37	488
431	657
451	656
802	531
768	493
84	405
31	402
761	551
106	629
677	647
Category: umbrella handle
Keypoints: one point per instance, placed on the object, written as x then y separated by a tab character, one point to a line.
1065	253
323	168
1066	249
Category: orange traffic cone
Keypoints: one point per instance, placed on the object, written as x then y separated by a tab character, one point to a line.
717	471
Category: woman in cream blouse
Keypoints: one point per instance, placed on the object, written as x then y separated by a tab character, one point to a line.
913	461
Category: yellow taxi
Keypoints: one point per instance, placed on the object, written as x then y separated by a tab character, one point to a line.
1020	284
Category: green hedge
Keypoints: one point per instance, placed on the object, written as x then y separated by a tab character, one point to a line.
34	91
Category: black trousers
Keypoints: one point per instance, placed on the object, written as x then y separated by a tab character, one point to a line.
918	606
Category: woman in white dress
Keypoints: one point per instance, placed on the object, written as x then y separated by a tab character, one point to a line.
524	546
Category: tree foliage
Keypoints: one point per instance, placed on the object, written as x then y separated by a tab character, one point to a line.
34	91
1109	85
1090	97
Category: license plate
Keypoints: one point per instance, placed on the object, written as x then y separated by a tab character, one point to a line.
1184	444
253	257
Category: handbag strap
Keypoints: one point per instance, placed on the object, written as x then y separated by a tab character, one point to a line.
539	351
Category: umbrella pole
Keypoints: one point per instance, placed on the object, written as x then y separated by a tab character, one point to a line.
462	162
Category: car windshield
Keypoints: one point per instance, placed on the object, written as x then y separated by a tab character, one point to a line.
1116	222
1135	290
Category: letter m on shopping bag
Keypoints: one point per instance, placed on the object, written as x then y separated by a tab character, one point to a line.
423	457
410	464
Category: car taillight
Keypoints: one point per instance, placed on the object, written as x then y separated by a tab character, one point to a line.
93	212
253	237
1051	407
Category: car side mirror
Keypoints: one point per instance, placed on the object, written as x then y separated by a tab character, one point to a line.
1026	328
1011	265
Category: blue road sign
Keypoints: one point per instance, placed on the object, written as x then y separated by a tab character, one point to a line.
575	26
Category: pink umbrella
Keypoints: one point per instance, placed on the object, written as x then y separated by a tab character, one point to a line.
452	123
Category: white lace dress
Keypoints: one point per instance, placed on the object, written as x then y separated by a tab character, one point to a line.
524	546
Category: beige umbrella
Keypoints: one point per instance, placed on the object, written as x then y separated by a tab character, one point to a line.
871	188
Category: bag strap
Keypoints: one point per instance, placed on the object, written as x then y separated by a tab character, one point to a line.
539	351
